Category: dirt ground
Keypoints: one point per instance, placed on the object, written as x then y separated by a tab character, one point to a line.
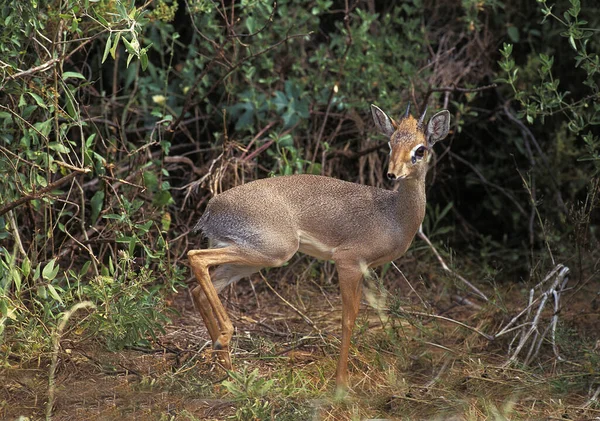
452	374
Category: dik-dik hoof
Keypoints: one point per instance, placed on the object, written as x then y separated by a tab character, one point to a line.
223	358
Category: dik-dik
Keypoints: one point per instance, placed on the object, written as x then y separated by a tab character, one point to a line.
265	222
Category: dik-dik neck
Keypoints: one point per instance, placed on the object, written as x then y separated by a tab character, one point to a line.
411	202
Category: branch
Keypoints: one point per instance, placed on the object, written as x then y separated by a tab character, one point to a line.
41	67
49	187
183	160
445	266
447	319
56	335
351	154
489	183
530	329
457	89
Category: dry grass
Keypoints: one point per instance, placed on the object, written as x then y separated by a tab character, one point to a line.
402	366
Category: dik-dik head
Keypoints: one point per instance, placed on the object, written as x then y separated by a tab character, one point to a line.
410	140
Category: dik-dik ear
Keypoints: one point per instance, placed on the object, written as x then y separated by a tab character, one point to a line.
438	127
385	124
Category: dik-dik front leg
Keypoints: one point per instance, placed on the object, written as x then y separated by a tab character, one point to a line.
350	279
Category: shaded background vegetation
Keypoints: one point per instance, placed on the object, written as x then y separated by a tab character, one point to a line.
119	120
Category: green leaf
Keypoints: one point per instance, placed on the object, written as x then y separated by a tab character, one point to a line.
572	42
96	204
111	266
26	267
16	277
251	24
244	111
59	147
84	268
132	13
144	59
3	307
286	141
162	198
44	126
445	211
75	75
50	270
42	292
129	47
513	33
107	49
150	180
102	20
54	293
165	221
90	140
575	9
113	50
145	227
38	99
121	10
41	180
506	50
71	106
113	216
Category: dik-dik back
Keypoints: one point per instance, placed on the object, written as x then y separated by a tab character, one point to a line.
305	210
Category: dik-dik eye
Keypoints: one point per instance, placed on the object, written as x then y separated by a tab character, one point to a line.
418	153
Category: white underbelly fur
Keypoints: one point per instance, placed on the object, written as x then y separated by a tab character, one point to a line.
313	247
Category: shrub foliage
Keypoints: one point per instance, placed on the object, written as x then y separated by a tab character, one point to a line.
118	119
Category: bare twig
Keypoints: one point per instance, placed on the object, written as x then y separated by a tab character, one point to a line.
487	182
55	347
530	331
445	266
255	138
447	319
593	399
183	160
290	305
450	89
411	287
40	68
49	187
17	236
194	185
527	134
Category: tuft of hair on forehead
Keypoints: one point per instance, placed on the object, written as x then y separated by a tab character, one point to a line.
408	131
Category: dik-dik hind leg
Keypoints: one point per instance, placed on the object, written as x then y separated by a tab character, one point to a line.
215	317
224	275
206	312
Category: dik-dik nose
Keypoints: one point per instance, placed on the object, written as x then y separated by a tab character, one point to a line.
391	176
